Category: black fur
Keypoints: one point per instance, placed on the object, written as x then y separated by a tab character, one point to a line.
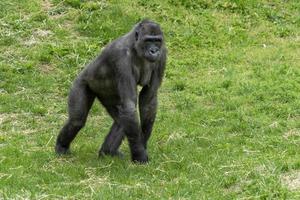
137	58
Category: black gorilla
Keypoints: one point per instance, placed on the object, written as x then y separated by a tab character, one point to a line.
137	58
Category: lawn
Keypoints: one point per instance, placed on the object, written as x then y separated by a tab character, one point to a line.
228	123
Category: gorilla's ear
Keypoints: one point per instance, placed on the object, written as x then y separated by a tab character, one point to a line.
136	35
138	30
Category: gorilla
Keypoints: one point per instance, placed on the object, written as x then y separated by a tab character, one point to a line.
137	58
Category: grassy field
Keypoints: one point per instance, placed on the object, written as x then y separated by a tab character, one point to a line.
228	125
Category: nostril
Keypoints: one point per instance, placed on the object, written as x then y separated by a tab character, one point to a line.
153	50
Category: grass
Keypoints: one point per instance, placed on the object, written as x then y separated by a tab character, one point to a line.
228	125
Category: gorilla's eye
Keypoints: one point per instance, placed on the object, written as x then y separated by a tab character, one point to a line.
158	43
153	38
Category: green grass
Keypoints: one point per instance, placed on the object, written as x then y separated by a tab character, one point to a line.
228	125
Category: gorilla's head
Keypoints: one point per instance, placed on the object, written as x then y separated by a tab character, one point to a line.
148	40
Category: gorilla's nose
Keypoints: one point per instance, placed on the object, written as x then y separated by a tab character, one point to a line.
153	51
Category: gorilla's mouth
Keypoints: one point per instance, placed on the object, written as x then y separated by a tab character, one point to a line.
152	56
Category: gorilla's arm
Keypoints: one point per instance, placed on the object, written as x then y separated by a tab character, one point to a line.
128	118
148	101
147	107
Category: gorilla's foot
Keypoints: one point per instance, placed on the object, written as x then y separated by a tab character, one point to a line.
61	150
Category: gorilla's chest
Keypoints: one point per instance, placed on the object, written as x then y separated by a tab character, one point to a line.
143	74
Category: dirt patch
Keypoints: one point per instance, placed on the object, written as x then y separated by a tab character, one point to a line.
1	118
42	33
32	41
176	136
16	123
46	5
236	188
274	125
37	36
291	180
45	68
291	133
7	116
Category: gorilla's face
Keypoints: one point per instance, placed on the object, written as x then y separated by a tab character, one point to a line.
149	40
152	45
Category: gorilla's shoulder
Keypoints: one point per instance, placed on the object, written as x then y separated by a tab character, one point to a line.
119	47
124	42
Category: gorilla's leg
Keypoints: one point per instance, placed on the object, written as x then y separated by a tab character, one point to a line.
147	107
115	136
79	104
125	123
129	121
113	141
